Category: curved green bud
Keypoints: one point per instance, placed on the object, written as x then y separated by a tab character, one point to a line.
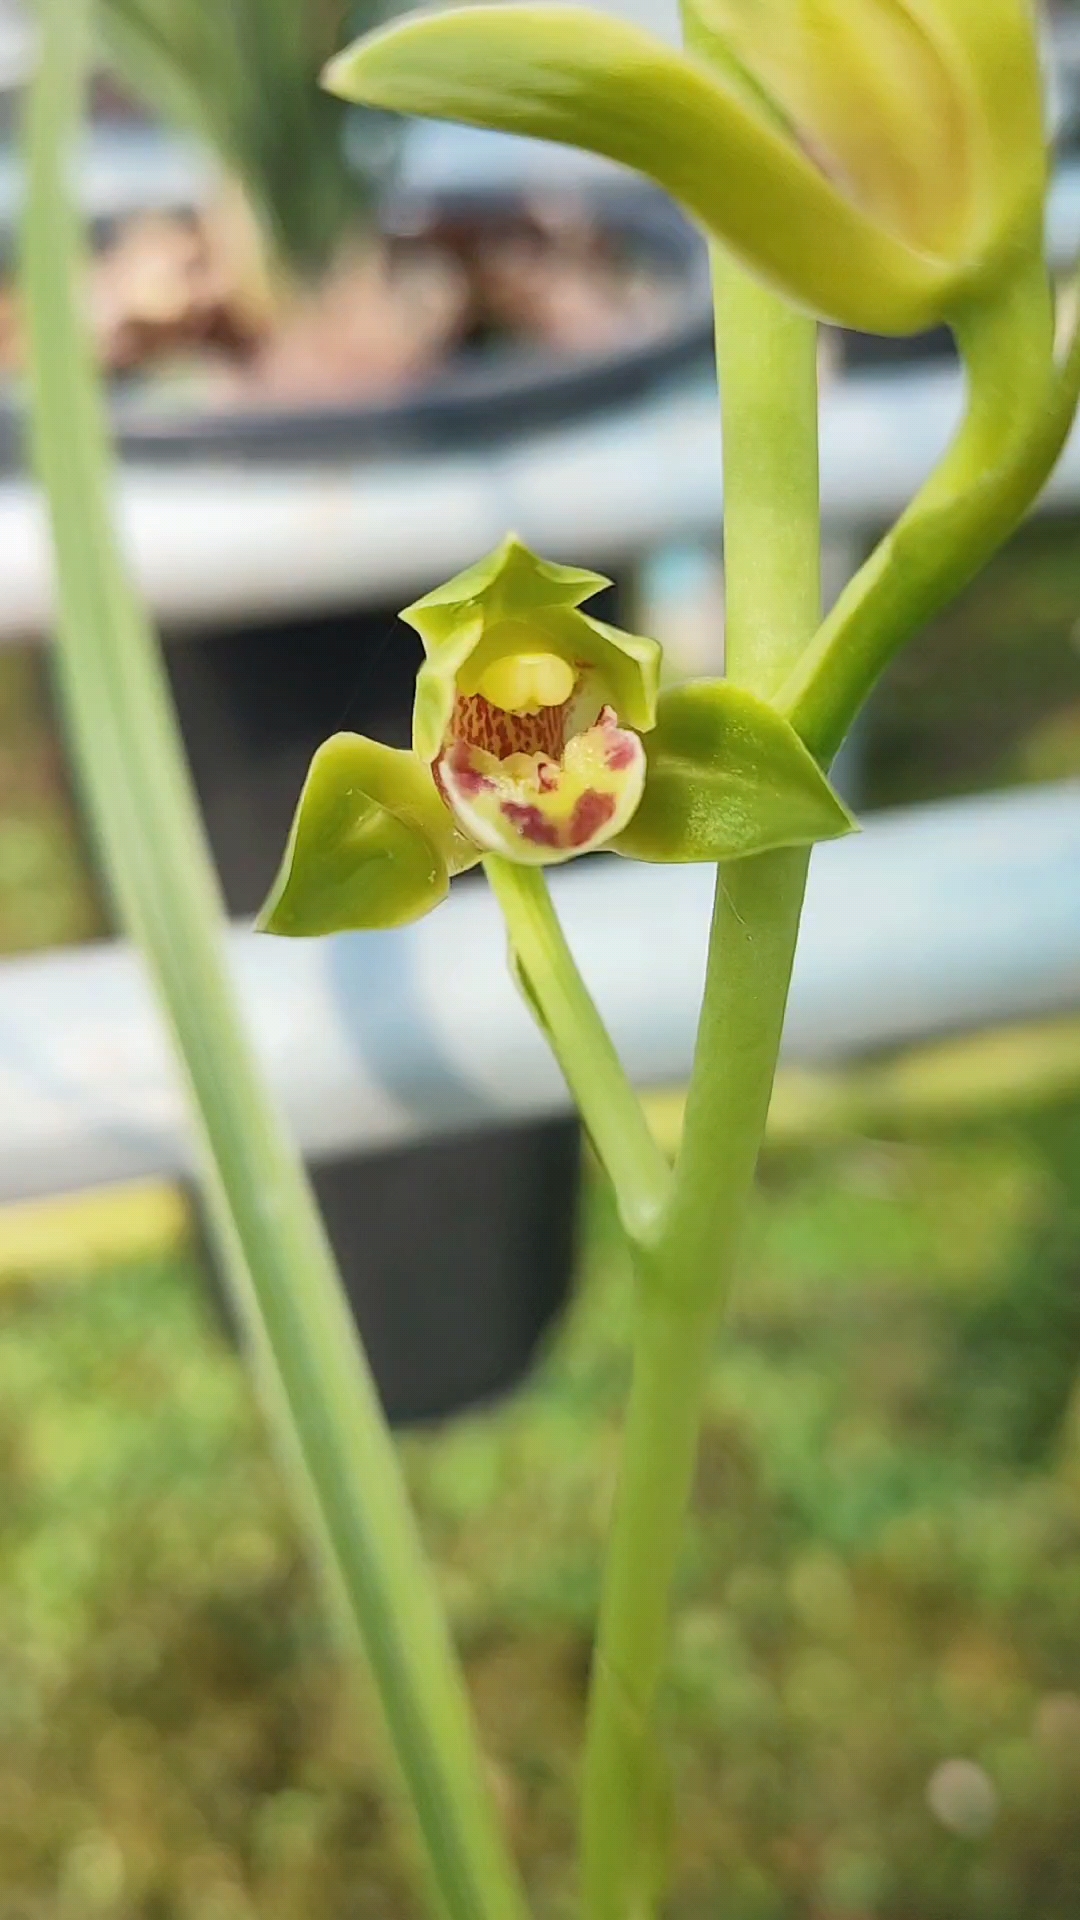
925	113
568	74
992	51
372	844
727	777
513	607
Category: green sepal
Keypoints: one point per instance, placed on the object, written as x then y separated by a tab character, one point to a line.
507	601
727	777
371	845
508	582
577	76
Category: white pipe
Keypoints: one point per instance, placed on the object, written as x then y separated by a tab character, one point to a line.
933	919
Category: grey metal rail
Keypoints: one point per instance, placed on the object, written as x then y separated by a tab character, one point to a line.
934	919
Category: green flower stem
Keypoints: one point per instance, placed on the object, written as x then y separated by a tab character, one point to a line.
683	1286
769	398
316	1383
608	1105
1020	408
770	482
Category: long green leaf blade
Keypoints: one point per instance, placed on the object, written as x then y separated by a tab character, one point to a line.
314	1377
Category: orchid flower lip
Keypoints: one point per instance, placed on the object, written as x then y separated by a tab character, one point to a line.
556	793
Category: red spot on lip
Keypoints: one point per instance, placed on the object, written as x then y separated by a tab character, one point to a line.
592	812
621	752
547	776
467	778
531	824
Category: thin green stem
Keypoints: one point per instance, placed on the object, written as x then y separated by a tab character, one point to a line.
751	949
684	1286
768	391
1020	408
318	1389
771	512
608	1105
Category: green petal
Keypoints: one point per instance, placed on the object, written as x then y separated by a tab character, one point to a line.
929	111
372	844
571	75
727	777
630	663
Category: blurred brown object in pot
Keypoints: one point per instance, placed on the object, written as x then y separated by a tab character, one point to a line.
375	325
164	285
554	278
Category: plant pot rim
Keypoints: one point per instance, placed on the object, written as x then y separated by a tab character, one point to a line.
499	396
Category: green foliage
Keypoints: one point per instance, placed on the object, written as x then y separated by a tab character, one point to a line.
242	74
882	1575
727	777
317	1390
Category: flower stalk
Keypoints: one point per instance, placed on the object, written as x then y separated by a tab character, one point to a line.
1020	407
612	1113
684	1275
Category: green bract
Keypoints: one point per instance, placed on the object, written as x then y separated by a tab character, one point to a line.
372	844
727	777
878	160
513	602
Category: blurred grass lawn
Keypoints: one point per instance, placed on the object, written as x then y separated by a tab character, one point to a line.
882	1575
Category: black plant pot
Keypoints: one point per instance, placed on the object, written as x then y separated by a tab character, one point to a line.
457	1258
486	392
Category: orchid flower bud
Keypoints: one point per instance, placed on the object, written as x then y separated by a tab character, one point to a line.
926	114
879	161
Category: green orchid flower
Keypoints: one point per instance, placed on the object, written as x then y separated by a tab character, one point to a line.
539	733
880	161
530	712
